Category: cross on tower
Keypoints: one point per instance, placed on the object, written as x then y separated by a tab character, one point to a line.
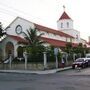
64	7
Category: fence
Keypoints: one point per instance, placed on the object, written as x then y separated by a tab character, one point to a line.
30	66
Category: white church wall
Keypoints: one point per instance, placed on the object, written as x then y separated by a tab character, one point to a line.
52	36
19	21
83	41
62	24
26	25
15	44
68	40
74	33
3	45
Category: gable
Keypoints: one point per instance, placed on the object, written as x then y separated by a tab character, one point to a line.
19	22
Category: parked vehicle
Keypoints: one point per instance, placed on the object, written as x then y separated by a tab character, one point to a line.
88	60
81	62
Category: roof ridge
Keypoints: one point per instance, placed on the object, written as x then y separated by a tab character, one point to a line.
47	29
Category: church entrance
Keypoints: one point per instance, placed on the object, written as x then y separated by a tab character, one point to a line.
9	49
20	52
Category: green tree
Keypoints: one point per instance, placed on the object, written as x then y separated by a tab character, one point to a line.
50	50
1	31
35	44
69	48
80	49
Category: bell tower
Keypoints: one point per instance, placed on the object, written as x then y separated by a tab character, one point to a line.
64	22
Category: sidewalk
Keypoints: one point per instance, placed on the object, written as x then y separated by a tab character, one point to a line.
36	72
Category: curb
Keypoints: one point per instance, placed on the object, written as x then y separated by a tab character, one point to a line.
35	72
64	69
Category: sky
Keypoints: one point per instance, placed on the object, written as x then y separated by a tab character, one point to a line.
47	12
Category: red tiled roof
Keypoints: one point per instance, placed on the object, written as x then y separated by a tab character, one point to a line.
49	30
19	39
53	42
57	43
64	16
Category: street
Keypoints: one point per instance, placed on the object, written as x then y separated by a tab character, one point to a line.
65	80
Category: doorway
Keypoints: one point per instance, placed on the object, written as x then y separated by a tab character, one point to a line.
9	49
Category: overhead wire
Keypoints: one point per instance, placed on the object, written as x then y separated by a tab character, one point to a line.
19	12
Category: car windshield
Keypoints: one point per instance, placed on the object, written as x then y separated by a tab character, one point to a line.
79	60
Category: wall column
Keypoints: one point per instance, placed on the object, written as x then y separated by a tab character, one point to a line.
45	60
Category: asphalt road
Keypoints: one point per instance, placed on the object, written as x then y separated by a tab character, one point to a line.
65	80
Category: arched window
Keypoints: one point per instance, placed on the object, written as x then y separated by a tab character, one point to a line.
61	25
67	24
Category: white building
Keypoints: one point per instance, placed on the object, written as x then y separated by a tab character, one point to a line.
58	38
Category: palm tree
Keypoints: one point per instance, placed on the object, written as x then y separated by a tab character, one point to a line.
35	44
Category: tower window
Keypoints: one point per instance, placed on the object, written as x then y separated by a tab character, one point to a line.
61	25
67	24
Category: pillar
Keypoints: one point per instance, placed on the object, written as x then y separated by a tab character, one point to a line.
25	56
45	60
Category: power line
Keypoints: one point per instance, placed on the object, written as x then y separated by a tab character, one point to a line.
11	11
19	11
7	12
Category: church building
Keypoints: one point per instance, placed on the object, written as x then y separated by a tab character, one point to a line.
55	37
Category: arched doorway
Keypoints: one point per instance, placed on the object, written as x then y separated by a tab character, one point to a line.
20	51
9	49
